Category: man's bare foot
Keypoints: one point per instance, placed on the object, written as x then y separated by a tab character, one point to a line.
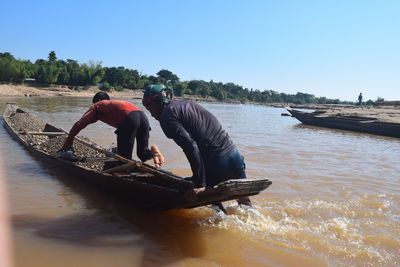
218	207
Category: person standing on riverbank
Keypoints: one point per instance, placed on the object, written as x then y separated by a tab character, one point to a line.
360	98
131	124
211	153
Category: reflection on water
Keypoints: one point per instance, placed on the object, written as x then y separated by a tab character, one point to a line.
334	200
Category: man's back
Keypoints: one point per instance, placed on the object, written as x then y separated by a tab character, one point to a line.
202	126
111	112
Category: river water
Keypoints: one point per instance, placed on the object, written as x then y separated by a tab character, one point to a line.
334	201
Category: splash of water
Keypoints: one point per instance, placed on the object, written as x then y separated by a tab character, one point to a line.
339	233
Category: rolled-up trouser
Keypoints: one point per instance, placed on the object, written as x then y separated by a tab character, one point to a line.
228	166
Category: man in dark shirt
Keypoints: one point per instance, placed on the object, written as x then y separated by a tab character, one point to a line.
130	122
211	153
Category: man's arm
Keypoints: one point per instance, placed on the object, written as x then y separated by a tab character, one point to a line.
89	117
173	129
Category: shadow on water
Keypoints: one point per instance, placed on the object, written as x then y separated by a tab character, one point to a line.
305	127
165	237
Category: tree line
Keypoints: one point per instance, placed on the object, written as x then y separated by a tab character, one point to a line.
53	71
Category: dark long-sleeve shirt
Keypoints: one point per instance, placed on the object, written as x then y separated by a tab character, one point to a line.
197	132
111	112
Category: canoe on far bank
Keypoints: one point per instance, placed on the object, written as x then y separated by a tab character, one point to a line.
141	184
347	122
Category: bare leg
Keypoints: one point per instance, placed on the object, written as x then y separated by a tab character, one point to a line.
219	206
244	201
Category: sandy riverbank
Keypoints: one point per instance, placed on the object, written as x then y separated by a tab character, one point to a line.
8	90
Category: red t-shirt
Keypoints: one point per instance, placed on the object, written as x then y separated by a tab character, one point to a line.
111	112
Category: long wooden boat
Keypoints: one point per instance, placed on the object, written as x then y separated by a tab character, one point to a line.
142	184
351	123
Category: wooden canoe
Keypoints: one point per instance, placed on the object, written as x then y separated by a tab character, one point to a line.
350	123
141	184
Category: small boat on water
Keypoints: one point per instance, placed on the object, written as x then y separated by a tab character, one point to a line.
351	123
141	184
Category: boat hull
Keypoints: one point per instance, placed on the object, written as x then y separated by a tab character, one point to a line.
357	124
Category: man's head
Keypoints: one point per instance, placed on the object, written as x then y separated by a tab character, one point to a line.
100	96
155	98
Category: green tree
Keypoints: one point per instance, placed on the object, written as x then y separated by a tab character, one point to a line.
52	57
205	90
153	79
70	72
219	93
322	100
106	87
115	76
194	86
131	78
179	88
167	76
75	72
143	82
93	71
7	69
63	76
24	69
48	74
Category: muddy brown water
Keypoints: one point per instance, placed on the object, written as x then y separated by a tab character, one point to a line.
334	200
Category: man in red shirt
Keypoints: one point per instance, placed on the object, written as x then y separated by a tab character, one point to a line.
130	122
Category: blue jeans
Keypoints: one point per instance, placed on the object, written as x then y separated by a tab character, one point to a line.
229	166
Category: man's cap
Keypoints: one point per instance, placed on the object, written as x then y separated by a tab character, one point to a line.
157	91
153	89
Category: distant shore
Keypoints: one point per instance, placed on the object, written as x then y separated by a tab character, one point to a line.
9	90
390	112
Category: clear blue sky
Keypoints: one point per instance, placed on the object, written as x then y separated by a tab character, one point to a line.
327	48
